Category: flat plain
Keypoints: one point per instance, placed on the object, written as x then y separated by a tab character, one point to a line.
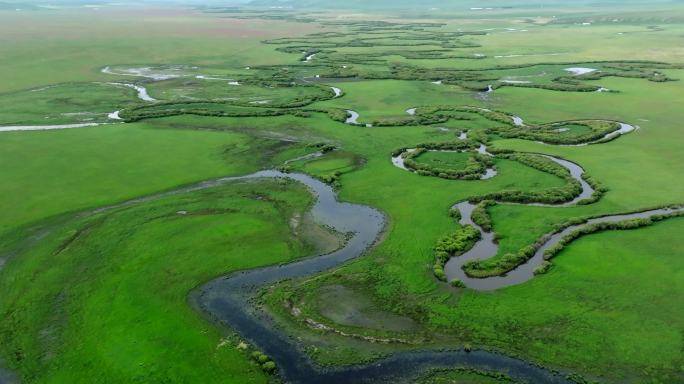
111	125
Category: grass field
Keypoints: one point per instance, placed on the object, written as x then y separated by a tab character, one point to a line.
104	298
445	159
82	41
129	272
55	172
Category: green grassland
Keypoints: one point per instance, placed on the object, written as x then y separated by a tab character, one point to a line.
55	172
105	296
64	103
79	42
390	98
463	377
453	160
127	270
198	89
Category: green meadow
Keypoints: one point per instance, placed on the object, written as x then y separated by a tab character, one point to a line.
105	296
134	280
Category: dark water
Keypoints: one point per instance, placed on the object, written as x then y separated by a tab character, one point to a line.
576	172
6	377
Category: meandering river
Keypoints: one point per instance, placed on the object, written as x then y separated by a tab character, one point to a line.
229	300
487	247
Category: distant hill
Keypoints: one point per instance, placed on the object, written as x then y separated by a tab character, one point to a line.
444	4
373	4
7	6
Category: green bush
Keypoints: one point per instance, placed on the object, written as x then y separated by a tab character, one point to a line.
455	213
269	367
543	268
258	356
481	217
438	271
451	245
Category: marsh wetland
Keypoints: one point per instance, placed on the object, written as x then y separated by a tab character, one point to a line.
350	193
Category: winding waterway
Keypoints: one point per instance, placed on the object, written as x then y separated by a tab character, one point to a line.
142	91
518	121
487	247
352	117
399	160
229	300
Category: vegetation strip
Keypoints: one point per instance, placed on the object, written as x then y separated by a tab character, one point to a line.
473	269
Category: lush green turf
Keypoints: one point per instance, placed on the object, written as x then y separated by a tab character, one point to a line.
461	377
213	89
329	167
53	172
572	129
401	268
589	302
78	44
390	98
63	104
450	160
129	272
